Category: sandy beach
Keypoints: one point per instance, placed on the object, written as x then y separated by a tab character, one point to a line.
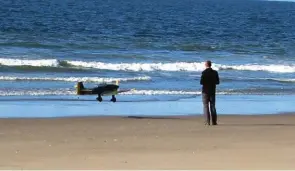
238	142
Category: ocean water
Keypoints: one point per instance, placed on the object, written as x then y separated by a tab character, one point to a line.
156	47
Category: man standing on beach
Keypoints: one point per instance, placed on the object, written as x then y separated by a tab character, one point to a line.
209	80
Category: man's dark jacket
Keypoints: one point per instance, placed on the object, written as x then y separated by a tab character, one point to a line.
209	80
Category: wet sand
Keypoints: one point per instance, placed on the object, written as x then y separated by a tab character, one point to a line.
238	142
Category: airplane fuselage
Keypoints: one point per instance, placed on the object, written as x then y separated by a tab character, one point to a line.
100	90
108	89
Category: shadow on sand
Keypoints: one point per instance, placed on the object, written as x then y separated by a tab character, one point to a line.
219	125
153	117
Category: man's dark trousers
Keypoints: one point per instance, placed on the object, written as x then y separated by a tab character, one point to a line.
209	107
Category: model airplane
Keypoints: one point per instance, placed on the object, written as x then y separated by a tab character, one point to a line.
100	90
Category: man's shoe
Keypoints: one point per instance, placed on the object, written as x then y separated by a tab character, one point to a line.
207	123
214	124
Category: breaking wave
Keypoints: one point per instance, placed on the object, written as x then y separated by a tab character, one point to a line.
282	80
54	92
255	67
131	79
73	79
36	92
176	66
161	92
31	62
73	92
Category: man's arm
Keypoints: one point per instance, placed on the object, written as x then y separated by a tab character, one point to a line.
217	78
202	79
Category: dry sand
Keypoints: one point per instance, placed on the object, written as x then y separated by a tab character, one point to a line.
238	142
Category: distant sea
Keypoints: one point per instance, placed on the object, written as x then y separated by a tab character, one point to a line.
156	47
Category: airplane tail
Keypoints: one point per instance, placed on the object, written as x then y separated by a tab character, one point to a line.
79	88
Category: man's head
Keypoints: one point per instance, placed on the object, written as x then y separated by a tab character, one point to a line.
208	64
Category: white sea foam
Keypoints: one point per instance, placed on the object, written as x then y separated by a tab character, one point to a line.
282	80
255	67
73	92
29	62
181	66
176	66
161	92
171	92
73	79
36	92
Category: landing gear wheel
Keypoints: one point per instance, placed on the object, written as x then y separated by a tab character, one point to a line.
113	98
99	99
